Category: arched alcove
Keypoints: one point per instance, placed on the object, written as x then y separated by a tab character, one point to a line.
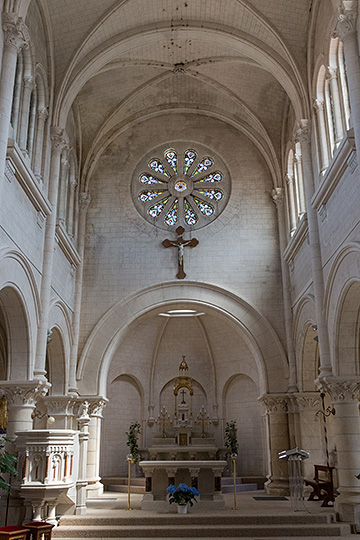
15	332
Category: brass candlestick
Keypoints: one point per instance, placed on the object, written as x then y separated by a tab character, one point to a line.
130	460
233	458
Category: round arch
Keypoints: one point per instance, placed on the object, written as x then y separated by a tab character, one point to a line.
105	338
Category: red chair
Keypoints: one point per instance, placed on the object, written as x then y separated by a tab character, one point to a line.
10	532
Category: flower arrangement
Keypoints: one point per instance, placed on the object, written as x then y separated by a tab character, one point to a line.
182	494
231	442
132	442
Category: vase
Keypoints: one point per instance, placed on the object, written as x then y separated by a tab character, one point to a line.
182	508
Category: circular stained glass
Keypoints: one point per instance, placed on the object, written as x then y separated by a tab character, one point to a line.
181	184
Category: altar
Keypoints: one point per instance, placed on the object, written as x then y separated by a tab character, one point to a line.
204	475
184	451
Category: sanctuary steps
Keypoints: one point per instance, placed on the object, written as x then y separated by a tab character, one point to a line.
290	526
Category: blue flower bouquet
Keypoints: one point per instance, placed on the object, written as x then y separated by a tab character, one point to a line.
182	494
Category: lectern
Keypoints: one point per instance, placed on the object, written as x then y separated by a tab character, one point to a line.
294	458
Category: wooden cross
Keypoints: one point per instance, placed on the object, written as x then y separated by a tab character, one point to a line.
183	396
164	420
203	420
180	243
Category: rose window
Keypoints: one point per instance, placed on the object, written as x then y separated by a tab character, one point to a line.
181	186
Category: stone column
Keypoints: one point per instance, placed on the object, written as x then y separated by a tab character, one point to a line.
63	188
278	199
303	135
42	115
319	107
16	36
70	213
300	184
194	477
22	398
345	29
81	483
308	428
289	178
332	75
345	393
278	430
84	204
94	487
58	143
28	87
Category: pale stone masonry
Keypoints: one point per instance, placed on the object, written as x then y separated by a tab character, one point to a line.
93	320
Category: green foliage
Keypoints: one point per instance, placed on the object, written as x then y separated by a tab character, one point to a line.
7	465
132	442
231	442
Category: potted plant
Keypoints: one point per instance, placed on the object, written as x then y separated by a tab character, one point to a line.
182	495
231	438
7	466
132	442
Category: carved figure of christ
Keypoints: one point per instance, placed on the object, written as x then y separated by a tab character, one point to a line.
180	243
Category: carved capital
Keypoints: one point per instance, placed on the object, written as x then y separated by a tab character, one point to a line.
305	401
331	73
15	31
341	389
303	134
277	195
318	105
58	138
97	406
25	393
289	178
275	403
56	405
85	200
29	82
345	25
43	114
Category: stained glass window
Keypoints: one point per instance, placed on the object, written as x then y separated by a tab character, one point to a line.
178	188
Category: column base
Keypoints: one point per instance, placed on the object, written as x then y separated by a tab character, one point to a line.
347	505
277	487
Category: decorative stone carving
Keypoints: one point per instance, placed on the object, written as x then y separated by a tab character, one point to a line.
304	401
58	138
15	31
26	393
346	22
85	200
303	134
341	389
97	407
277	195
275	403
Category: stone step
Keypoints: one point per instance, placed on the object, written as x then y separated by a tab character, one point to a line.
183	529
124	489
204	519
239	488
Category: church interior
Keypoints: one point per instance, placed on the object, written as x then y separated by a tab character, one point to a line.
179	244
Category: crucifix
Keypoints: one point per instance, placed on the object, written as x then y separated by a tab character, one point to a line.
180	243
203	420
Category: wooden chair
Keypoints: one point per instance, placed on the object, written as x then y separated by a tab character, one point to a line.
322	484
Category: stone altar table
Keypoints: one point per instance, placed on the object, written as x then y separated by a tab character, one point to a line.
205	475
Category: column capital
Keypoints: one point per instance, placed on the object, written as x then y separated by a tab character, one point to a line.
29	82
85	200
15	31
58	138
56	405
345	24
305	401
331	73
97	405
25	393
275	403
341	389
277	195
303	134
43	113
289	178
318	105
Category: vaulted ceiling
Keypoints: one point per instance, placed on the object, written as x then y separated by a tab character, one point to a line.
120	61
